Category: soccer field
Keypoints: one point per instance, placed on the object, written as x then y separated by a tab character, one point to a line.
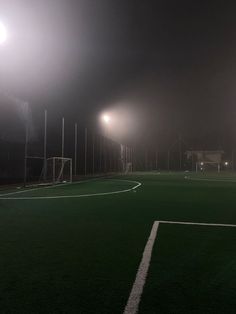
77	248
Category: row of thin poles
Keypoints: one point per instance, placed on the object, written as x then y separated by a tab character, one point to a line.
128	152
85	149
128	156
108	152
155	159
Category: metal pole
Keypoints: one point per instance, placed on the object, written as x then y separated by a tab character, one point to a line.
121	157
45	146
62	137
156	159
168	161
71	171
109	152
93	154
180	153
53	170
26	142
100	155
85	151
146	160
192	161
232	160
105	154
62	144
75	162
131	158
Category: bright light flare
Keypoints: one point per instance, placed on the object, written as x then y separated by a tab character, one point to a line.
3	34
106	118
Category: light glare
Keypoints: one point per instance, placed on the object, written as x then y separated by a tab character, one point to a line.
3	33
106	118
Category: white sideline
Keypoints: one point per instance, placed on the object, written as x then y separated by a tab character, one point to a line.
137	289
138	184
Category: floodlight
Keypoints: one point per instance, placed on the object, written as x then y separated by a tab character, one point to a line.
202	164
226	163
3	33
106	118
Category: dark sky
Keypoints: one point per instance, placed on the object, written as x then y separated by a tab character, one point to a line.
170	63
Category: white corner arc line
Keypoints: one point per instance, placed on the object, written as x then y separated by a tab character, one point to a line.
138	184
137	289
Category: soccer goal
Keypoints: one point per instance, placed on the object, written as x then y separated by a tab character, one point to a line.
58	170
206	160
207	166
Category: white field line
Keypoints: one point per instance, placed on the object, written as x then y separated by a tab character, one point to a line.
49	187
138	184
197	223
212	180
137	289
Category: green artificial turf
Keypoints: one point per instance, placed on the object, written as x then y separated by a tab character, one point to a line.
81	255
193	270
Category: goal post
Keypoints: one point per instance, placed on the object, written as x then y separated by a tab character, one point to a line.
59	170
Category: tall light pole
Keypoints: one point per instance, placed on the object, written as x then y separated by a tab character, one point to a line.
106	121
62	137
26	141
45	146
93	153
76	142
85	150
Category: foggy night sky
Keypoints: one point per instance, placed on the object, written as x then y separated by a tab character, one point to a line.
172	64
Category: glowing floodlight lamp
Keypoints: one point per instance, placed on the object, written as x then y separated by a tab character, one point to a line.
226	163
106	118
3	33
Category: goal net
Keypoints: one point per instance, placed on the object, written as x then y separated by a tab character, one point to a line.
207	166
206	160
58	170
128	167
126	159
